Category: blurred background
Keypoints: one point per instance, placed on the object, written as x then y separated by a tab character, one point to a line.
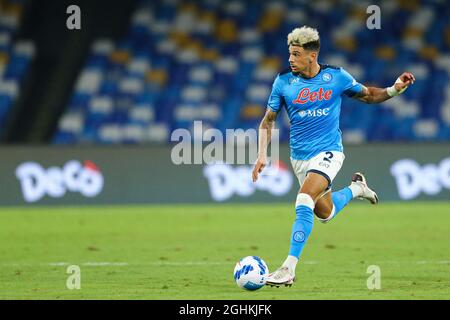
134	71
87	171
138	69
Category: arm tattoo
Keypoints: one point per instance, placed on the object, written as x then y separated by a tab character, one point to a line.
265	132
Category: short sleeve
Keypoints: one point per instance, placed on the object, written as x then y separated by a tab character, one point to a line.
350	85
275	99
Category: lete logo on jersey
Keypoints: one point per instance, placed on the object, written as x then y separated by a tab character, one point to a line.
36	181
225	180
305	95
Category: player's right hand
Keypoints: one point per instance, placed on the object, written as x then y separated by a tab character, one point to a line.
259	166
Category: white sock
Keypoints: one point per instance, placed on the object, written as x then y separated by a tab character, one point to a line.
291	263
356	190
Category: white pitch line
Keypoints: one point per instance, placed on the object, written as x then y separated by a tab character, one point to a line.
188	263
193	263
101	264
310	262
88	264
438	262
155	263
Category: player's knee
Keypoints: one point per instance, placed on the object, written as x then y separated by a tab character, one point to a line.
306	190
324	217
321	213
304	199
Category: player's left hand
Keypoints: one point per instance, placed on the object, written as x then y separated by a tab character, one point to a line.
259	166
404	81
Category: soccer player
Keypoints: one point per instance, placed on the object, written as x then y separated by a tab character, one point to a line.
312	93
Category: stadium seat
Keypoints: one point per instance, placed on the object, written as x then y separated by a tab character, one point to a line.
15	57
216	61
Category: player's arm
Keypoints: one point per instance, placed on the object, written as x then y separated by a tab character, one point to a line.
377	95
264	136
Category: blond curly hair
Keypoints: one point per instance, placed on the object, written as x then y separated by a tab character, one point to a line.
302	36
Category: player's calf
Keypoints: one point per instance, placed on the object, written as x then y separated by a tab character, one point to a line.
324	209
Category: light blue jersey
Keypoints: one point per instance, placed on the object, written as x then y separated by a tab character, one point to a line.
313	106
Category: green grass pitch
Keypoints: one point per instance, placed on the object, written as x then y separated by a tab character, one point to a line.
189	251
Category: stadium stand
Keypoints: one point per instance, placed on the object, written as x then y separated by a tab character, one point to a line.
215	61
15	56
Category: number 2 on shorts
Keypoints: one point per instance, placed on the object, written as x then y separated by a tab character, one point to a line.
329	156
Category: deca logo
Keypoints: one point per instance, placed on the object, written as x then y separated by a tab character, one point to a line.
225	180
36	182
412	179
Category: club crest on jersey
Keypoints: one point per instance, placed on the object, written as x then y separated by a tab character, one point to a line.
327	77
305	95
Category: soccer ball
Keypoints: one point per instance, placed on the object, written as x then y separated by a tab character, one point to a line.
250	273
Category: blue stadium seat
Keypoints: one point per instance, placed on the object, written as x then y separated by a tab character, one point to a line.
173	67
15	57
